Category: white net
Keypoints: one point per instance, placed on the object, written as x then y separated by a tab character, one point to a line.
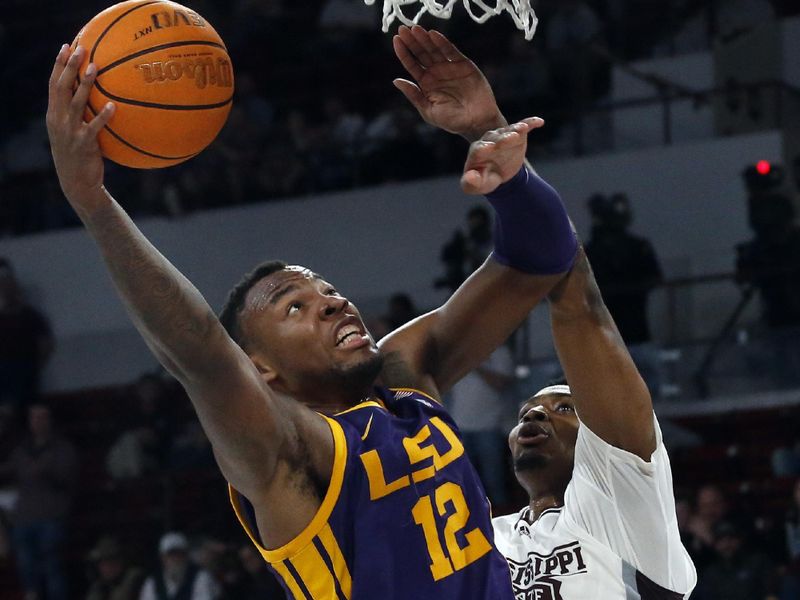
520	10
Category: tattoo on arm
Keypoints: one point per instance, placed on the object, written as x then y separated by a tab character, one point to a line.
168	310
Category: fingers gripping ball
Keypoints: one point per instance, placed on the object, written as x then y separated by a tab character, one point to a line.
169	74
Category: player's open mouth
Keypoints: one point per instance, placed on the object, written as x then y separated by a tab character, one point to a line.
532	435
350	336
533	440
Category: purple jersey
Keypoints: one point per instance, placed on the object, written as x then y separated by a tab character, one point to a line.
405	515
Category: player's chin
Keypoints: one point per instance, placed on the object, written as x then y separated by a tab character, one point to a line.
365	364
529	458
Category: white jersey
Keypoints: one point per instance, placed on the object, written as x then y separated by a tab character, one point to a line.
615	538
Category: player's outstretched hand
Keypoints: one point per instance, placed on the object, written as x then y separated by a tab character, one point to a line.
497	156
73	142
448	90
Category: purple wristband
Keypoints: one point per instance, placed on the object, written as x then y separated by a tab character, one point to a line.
532	232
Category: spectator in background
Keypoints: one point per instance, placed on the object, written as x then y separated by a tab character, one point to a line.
522	79
736	572
8	493
143	447
178	578
790	585
112	578
344	27
683	512
479	407
400	311
397	147
580	74
26	343
793	526
191	449
279	174
258	110
711	508
627	269
466	251
44	467
259	583
342	132
771	262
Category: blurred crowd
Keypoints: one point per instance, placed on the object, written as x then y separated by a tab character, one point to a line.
742	549
305	121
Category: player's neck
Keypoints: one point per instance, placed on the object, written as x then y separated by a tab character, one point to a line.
331	403
540	503
544	492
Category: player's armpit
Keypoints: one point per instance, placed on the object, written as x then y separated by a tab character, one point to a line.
449	342
609	394
408	356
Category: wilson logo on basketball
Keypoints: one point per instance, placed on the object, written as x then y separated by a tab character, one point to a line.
205	70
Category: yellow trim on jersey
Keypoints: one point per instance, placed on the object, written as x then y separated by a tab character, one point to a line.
337	558
281	569
320	520
365	404
409	389
314	572
366	430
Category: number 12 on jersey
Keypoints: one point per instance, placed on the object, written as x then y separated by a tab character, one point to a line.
456	558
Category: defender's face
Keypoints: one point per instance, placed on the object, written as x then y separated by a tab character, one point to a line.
545	435
304	329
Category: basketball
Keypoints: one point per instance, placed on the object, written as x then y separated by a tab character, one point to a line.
169	74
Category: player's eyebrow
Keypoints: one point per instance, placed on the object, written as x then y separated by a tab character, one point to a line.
280	292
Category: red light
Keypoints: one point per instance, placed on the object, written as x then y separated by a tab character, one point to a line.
763	167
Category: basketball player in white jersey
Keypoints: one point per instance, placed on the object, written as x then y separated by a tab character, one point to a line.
601	520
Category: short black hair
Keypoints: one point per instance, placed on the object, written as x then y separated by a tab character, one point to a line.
560	380
231	311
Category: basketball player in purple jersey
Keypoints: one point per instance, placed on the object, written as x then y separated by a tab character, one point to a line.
345	470
601	520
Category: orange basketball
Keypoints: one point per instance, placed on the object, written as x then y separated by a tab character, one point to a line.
169	74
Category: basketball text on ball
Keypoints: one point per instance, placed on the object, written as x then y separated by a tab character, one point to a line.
164	18
167	71
204	70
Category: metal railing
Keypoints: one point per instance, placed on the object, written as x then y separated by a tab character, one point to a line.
734	355
669	94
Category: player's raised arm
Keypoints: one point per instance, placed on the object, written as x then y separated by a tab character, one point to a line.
448	89
237	409
609	394
534	241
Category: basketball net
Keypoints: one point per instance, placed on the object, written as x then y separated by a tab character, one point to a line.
520	10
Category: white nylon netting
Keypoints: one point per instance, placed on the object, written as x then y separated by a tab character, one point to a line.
520	10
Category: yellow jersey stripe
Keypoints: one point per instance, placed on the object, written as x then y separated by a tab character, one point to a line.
340	569
291	583
366	430
314	574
